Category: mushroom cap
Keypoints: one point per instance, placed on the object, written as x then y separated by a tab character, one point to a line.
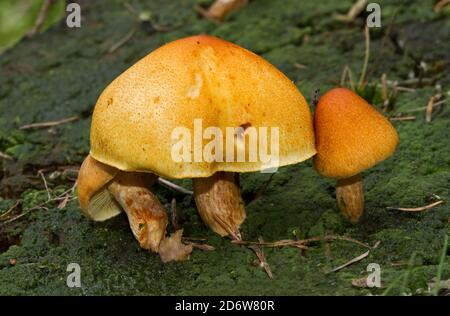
199	77
351	135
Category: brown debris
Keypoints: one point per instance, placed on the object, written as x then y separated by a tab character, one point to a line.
172	249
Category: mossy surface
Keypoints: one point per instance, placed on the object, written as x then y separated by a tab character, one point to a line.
61	72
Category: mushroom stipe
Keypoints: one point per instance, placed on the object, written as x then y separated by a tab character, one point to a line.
147	217
350	197
219	203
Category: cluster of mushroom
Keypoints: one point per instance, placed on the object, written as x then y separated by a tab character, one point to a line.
224	85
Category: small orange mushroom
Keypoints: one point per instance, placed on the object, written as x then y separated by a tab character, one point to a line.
351	136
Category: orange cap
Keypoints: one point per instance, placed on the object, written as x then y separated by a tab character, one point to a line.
351	135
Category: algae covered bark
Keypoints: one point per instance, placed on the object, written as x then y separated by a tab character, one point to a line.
60	73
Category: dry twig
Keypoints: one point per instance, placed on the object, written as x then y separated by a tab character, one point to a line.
353	12
384	92
50	123
416	209
302	244
352	261
403	118
173	210
64	202
42	205
173	186
300	66
347	73
204	247
5	156
4	215
41	17
430	105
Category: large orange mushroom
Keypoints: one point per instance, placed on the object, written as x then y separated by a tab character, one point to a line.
196	79
351	136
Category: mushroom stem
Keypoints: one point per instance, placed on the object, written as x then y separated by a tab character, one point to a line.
350	197
219	203
147	217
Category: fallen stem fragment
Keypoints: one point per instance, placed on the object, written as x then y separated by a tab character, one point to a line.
262	258
366	57
194	238
41	174
173	210
263	188
353	12
435	104
4	215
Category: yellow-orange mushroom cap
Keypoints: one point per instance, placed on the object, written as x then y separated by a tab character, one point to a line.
351	135
196	77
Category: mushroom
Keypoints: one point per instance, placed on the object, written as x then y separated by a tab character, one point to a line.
103	191
190	87
351	136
